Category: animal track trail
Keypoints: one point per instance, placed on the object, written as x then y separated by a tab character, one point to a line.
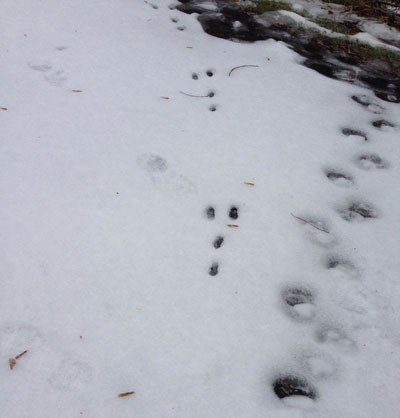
219	240
368	103
207	93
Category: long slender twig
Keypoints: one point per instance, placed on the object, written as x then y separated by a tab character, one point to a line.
240	66
192	95
309	223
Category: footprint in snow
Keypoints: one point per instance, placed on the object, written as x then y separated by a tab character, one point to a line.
357	211
371	162
299	302
340	267
339	178
53	76
354	133
336	337
294	390
384	125
163	177
368	103
318	364
317	230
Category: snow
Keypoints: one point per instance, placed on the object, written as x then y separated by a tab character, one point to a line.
108	171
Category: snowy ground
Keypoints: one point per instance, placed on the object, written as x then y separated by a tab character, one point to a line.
108	172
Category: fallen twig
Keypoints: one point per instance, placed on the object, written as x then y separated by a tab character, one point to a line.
309	223
122	395
232	226
164	97
248	183
76	91
20	355
192	95
240	66
3	108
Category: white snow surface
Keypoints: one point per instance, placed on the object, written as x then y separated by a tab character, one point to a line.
106	247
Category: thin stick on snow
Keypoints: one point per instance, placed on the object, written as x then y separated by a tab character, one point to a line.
20	355
240	66
309	223
122	395
191	95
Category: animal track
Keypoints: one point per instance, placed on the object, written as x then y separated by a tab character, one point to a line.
328	334
233	212
218	242
365	101
211	93
163	177
340	266
291	385
354	132
371	161
357	211
340	179
213	269
210	212
54	77
383	124
299	302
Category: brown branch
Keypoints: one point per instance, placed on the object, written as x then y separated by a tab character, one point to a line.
122	395
20	355
309	223
240	66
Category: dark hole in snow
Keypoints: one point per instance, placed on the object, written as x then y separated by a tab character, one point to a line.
174	19
357	210
210	212
213	108
213	269
218	242
211	94
233	212
209	73
297	295
293	385
356	132
382	123
195	76
154	6
181	27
